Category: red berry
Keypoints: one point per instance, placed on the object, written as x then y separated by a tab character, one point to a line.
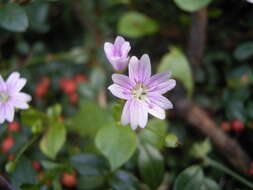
225	126
42	87
13	126
10	157
7	144
45	81
80	78
237	126
40	91
68	85
36	165
69	180
73	98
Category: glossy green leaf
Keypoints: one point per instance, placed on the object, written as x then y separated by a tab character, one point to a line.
189	179
37	12
191	5
117	144
154	133
123	180
88	164
209	184
53	140
244	51
90	119
23	174
13	17
151	165
135	25
176	62
90	182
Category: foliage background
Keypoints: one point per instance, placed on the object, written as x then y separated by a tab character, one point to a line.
55	40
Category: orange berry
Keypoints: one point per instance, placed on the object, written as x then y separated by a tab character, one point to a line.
68	85
237	126
69	180
73	98
10	157
80	78
7	144
36	165
13	126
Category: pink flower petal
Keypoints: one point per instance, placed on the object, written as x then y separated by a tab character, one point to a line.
19	100
123	81
140	71
9	112
2	113
138	114
125	49
156	110
159	78
108	48
163	87
125	117
160	100
120	91
118	43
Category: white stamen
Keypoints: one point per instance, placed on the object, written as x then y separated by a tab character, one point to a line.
139	91
4	97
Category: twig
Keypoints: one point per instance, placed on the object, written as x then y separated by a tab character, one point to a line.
227	146
197	37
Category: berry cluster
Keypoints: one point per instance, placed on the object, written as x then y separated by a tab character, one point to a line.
236	125
69	86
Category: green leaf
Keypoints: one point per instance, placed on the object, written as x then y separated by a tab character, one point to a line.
135	25
34	119
90	119
154	133
90	182
13	17
117	144
89	164
53	140
171	141
191	5
23	174
151	165
37	12
123	180
189	179
177	63
244	51
209	184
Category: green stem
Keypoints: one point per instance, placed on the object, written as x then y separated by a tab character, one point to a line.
219	166
23	149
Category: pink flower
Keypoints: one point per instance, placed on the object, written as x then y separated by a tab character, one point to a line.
11	97
117	53
142	91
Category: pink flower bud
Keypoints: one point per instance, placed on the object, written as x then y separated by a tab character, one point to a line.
117	53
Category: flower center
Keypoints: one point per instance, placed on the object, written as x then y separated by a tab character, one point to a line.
139	91
4	97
